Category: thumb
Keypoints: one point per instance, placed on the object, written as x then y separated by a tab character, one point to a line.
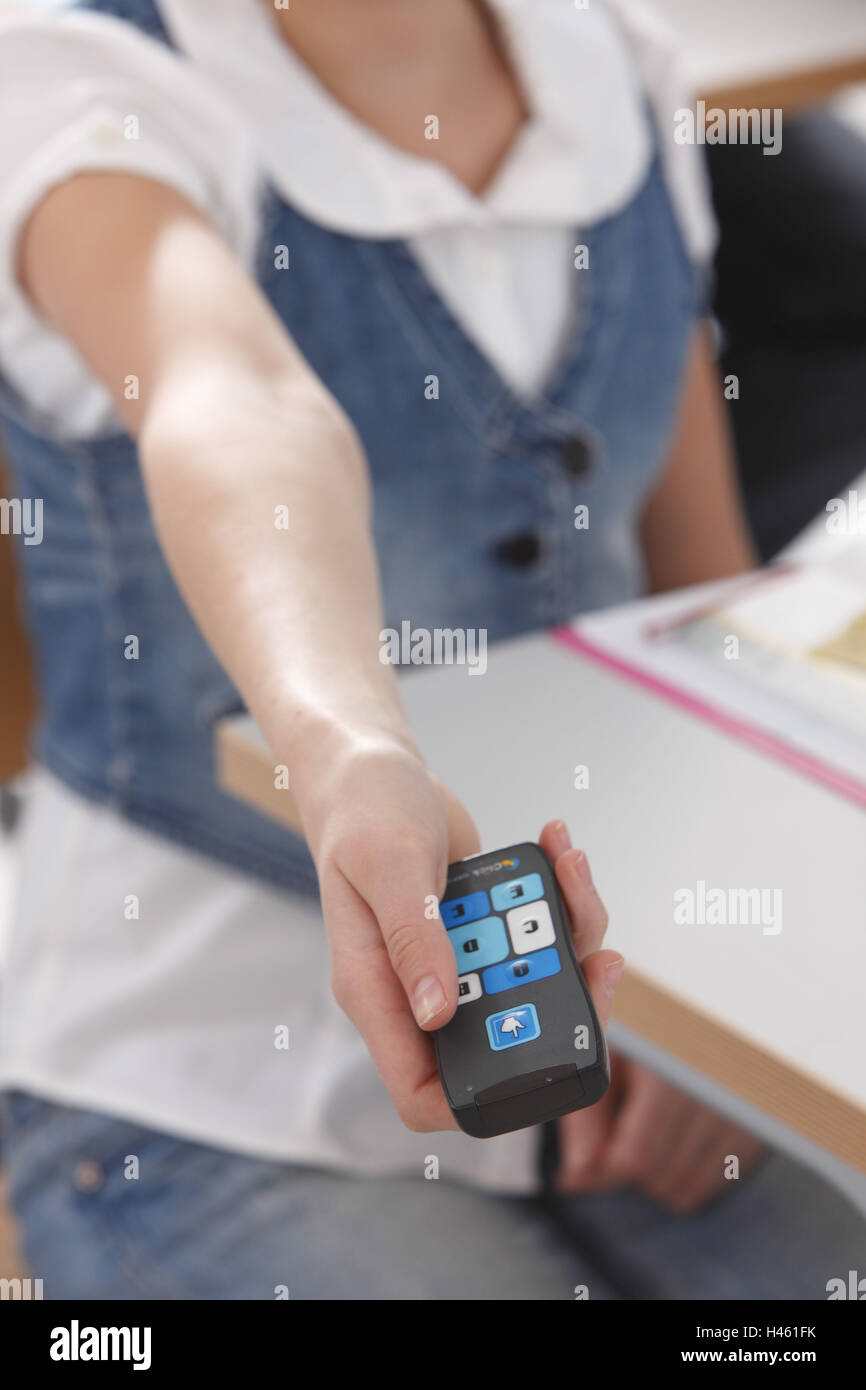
463	837
406	906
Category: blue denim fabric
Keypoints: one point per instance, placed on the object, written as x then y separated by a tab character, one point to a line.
200	1223
456	480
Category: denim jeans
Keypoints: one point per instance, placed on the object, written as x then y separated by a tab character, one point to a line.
110	1210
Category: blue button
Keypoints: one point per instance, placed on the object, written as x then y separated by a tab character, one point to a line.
516	891
536	966
459	910
512	1027
479	944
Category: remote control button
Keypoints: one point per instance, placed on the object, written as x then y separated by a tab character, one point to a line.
537	966
468	988
517	891
479	944
467	909
530	927
512	1027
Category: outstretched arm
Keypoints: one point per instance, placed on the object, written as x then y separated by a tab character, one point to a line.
231	423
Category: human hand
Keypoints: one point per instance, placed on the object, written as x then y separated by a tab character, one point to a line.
382	831
646	1134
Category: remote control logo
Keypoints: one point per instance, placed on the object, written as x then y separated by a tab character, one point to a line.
486	869
497	867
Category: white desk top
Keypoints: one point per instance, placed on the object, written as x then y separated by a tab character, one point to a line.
671	800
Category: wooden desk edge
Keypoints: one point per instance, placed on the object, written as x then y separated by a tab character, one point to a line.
828	1119
247	773
792	91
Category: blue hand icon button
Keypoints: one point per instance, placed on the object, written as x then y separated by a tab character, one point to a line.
512	1027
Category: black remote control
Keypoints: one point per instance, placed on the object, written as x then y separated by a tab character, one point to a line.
525	1044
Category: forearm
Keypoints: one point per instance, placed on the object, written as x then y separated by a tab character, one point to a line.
292	610
232	425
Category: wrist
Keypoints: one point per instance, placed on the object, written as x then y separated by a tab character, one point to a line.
318	742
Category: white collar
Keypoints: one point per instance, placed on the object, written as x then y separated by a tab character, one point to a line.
581	155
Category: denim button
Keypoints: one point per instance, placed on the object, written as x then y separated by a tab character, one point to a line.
576	455
88	1175
520	550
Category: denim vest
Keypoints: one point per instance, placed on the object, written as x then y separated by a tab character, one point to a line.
475	493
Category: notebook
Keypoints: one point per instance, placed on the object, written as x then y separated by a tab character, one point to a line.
776	658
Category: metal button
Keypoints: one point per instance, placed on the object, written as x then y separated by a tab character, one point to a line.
520	550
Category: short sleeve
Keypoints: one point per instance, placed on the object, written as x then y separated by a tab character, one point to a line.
82	92
656	54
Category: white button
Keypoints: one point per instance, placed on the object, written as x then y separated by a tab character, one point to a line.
104	134
530	927
468	988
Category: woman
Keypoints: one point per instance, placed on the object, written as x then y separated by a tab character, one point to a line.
301	305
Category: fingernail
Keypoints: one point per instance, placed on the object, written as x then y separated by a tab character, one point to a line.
561	837
612	974
428	1000
581	864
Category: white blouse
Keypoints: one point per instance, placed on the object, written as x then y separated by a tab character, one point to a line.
235	105
171	1018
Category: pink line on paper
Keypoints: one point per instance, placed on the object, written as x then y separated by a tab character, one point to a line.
757	738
